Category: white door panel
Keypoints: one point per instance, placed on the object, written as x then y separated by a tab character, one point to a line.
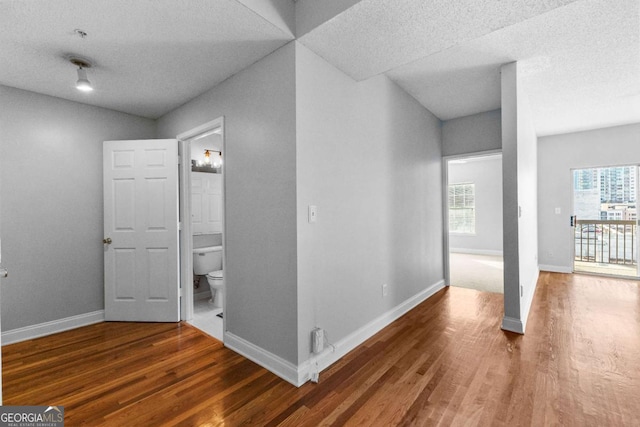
141	219
214	198
197	191
206	203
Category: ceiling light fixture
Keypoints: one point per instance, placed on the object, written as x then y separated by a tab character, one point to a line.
83	82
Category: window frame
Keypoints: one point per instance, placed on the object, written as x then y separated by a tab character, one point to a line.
453	208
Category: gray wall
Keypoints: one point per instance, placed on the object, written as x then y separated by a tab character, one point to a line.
52	218
258	105
369	157
486	174
472	134
558	154
519	168
310	14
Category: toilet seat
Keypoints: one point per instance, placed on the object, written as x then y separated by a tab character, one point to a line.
215	275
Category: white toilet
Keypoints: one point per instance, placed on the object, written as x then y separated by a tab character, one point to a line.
207	262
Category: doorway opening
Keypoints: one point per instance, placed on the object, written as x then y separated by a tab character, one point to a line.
605	221
473	205
202	233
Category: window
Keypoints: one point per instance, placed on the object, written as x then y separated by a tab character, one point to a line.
462	208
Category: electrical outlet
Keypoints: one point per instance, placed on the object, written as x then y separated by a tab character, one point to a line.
385	290
313	213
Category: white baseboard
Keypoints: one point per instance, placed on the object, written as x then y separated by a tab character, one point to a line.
528	299
556	268
302	373
282	368
339	349
202	295
55	326
512	324
519	325
475	251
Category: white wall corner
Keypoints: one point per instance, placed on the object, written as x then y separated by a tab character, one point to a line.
527	300
53	327
271	362
280	13
333	353
556	268
519	325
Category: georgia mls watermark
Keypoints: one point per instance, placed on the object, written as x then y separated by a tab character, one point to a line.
31	416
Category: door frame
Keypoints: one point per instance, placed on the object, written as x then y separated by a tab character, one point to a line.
636	168
186	238
445	203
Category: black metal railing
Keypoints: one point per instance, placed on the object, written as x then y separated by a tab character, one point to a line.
606	241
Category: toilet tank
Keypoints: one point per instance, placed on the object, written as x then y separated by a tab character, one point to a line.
207	259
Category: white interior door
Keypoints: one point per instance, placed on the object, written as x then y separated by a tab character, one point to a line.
141	231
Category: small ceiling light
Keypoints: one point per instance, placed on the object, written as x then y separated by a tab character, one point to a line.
83	82
216	162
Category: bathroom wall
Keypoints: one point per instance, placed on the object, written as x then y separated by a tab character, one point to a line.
258	105
200	241
369	157
52	218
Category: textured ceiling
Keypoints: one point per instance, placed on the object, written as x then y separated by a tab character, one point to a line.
375	36
150	56
581	59
581	66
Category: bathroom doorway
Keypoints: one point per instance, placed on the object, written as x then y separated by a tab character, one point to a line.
202	227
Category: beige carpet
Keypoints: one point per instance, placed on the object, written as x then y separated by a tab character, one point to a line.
481	272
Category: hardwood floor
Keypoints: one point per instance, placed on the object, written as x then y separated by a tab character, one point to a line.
444	363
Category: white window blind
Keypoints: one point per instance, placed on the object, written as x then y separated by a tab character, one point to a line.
462	208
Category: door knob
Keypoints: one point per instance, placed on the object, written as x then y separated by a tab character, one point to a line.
107	241
3	272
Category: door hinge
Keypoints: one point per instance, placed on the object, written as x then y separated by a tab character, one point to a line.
179	226
179	160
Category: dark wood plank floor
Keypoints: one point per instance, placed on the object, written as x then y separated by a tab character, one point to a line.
445	363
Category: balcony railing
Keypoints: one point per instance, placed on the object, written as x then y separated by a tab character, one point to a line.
606	242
